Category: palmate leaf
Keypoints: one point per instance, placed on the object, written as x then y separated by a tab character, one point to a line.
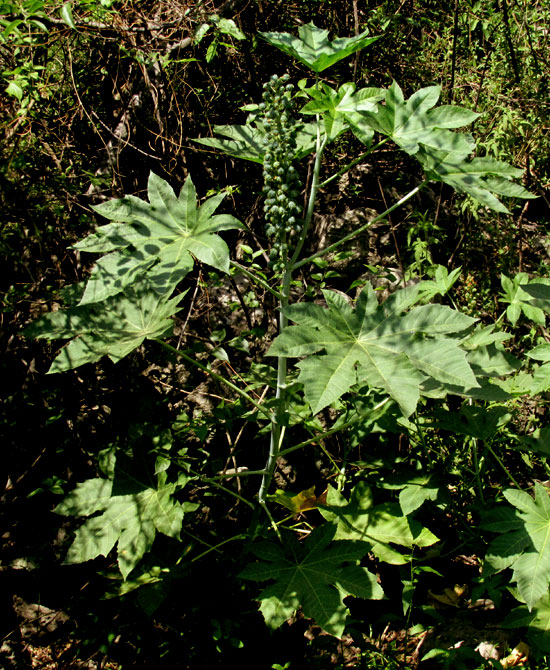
479	422
414	122
160	237
314	49
525	543
538	633
521	296
244	142
378	526
247	142
113	328
130	521
316	575
480	178
341	109
374	345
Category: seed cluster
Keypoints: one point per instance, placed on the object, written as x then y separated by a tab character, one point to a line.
281	179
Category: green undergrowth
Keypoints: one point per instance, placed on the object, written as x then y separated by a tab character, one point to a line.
312	427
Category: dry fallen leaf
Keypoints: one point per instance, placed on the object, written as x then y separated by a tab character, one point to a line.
518	657
450	597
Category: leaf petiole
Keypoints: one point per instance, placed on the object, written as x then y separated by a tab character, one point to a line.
267	413
359	230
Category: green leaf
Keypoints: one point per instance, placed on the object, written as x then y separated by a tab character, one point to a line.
341	108
473	421
540	353
162	237
247	142
527	549
111	328
313	48
536	289
480	178
516	294
538	632
238	141
413	496
201	32
228	27
67	15
129	521
374	345
441	283
491	361
315	574
14	89
413	122
377	526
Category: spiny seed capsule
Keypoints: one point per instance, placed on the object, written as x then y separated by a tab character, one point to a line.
281	181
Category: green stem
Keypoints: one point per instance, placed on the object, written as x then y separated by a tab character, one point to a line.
499	461
330	432
267	413
258	280
276	435
312	196
272	521
359	230
277	428
242	473
215	548
422	439
353	163
477	469
213	482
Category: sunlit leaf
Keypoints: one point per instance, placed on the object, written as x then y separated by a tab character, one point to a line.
525	545
480	178
379	526
413	122
340	109
374	345
159	238
67	15
129	521
113	328
314	49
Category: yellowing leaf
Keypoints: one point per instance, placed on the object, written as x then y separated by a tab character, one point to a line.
301	502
